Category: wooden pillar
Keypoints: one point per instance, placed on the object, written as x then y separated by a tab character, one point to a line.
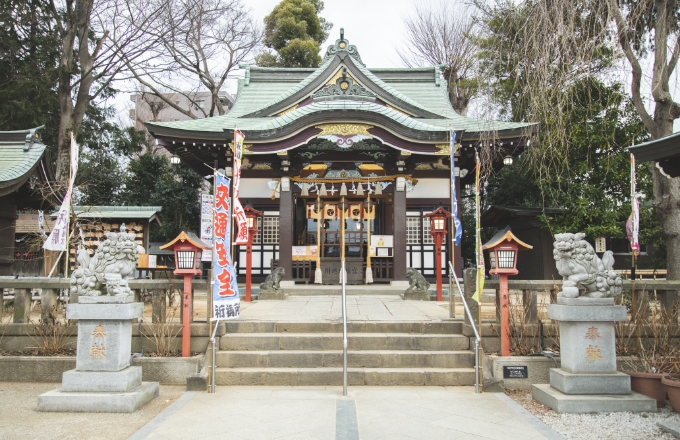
399	231
286	228
7	229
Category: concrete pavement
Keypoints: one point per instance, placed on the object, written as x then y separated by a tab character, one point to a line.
322	413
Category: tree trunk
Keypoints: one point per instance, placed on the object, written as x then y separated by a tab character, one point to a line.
667	198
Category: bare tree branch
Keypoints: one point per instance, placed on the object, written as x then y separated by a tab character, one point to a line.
441	36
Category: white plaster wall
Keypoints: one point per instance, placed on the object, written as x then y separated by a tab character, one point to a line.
255	188
430	189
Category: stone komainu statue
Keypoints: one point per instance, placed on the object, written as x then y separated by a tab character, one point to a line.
273	280
107	272
578	263
417	281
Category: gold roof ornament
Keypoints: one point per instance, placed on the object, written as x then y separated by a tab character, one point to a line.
344	130
445	150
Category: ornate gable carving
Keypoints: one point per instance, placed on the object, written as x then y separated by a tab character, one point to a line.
343	45
344	88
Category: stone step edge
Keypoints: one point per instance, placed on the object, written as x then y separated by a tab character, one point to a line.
339	335
273	370
350	352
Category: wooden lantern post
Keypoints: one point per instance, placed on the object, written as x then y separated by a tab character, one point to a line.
251	217
438	219
188	248
503	248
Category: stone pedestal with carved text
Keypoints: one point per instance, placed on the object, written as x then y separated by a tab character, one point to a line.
103	380
588	380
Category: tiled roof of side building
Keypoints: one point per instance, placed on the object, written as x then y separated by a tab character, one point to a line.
20	151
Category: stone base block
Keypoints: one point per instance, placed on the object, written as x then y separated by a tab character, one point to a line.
61	401
569	403
416	295
102	381
271	294
570	383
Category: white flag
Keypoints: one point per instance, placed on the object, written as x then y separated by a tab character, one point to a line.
57	239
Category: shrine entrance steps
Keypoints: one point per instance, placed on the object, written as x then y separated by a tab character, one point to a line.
390	353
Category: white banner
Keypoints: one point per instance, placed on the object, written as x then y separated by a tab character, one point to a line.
207	225
57	239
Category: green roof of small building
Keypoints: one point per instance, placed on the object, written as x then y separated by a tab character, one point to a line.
115	212
20	153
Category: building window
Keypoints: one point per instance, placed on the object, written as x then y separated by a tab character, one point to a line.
199	104
427	238
270	230
412	230
258	237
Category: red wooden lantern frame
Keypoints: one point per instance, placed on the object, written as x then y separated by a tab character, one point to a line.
503	249
438	220
187	248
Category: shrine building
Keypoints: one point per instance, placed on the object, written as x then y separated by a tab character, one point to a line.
380	136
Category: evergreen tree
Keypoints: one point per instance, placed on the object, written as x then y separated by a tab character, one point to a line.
295	32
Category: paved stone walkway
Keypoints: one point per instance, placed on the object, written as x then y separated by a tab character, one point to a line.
306	413
329	308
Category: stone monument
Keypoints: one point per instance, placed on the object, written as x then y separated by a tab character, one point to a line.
418	288
103	380
587	381
271	288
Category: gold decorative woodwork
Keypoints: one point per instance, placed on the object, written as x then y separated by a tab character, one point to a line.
344	85
288	110
344	129
445	150
337	75
342	45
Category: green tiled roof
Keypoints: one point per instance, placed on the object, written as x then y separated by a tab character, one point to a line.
277	89
19	157
118	212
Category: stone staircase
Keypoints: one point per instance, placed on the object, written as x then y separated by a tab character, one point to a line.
310	353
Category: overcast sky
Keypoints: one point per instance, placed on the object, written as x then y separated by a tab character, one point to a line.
376	28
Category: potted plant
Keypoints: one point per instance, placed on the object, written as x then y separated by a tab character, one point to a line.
653	354
672	384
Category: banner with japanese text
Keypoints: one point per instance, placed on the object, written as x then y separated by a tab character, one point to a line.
633	223
457	225
58	237
240	216
225	294
481	270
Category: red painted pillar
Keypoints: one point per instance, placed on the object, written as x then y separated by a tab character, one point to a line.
249	264
505	318
186	317
438	256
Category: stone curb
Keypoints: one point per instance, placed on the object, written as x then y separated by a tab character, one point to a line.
534	421
164	415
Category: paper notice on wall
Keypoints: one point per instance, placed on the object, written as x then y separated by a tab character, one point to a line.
207	225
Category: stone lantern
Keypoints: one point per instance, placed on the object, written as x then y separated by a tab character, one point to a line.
438	219
503	248
251	218
188	248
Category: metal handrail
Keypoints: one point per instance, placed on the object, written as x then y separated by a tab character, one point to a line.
344	329
478	339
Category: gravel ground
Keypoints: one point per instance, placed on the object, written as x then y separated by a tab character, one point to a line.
604	426
19	418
